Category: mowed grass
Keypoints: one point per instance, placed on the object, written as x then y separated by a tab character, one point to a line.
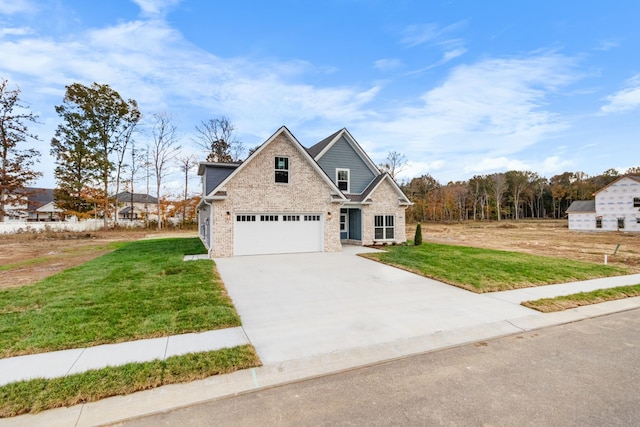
143	289
486	270
41	394
565	302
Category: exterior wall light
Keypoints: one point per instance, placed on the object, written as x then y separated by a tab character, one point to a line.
228	215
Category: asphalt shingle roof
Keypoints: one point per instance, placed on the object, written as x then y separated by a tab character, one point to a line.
316	149
125	197
582	206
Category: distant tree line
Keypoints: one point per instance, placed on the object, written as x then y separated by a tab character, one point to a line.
510	195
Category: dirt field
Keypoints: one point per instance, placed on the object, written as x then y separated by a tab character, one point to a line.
31	257
34	256
544	237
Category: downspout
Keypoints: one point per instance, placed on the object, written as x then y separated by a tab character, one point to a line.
204	200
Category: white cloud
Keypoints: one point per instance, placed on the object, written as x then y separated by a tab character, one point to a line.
151	62
446	57
155	7
16	31
479	118
495	164
419	168
10	7
452	54
624	100
606	45
414	35
494	104
435	36
387	64
554	165
486	165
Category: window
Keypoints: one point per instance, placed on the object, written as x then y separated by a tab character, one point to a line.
264	218
312	217
282	170
598	222
384	227
638	220
343	222
342	179
291	217
636	202
620	223
245	218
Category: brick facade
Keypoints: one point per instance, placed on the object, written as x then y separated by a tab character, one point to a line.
254	189
384	202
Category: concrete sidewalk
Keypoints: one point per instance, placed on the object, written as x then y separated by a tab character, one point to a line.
334	326
67	362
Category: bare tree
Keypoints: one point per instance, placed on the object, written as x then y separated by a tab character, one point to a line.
186	162
217	136
15	164
164	149
499	181
120	151
394	164
138	160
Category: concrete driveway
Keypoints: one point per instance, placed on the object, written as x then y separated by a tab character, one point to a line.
302	305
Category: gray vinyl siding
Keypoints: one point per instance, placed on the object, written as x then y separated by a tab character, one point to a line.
342	156
214	176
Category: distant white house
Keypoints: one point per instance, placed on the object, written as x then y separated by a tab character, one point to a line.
616	207
33	205
132	206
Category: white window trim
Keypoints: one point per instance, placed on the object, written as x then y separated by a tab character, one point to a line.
346	222
348	190
384	227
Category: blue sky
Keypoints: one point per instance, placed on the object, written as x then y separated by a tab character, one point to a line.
459	87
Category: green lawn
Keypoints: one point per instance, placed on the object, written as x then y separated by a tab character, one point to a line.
565	302
40	394
143	289
486	270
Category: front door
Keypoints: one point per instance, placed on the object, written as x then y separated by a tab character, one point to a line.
350	224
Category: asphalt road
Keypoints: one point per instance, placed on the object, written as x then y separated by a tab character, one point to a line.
581	374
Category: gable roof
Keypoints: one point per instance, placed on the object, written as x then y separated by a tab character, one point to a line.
338	196
363	198
318	150
582	206
632	177
37	197
126	197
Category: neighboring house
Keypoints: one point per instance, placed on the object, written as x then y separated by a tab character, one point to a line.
34	205
616	207
132	206
285	199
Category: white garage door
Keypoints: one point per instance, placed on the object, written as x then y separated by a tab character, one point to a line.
260	233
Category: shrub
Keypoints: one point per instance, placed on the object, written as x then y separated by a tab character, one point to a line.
417	240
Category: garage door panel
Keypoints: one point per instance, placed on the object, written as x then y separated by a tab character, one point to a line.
271	237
